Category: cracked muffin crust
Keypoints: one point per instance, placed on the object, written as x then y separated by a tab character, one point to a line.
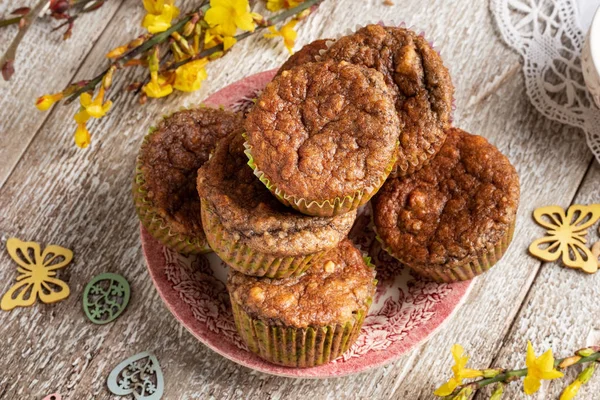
329	293
324	133
165	183
306	54
236	203
308	320
459	209
419	82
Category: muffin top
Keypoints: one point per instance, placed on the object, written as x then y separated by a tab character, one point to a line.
325	130
417	78
170	157
463	201
330	292
306	54
246	207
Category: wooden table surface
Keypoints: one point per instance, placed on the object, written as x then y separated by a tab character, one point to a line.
55	193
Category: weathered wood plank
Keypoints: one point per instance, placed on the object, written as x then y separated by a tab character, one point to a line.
560	312
45	64
80	199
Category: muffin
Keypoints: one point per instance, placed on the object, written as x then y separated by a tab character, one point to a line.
252	231
323	136
454	218
306	54
164	187
418	80
308	320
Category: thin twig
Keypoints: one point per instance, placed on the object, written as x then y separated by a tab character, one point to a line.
158	38
508	376
163	36
8	59
269	22
10	21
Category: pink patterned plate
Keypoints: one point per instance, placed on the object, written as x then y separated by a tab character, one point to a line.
405	312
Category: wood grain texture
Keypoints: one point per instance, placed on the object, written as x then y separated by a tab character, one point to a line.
80	199
45	64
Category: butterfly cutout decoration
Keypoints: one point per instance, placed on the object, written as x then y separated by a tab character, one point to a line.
566	236
37	271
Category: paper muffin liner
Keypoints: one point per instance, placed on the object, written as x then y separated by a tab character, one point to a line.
326	208
418	161
473	267
246	260
156	224
299	347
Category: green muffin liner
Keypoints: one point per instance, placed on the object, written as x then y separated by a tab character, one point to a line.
156	224
326	208
297	347
469	270
246	260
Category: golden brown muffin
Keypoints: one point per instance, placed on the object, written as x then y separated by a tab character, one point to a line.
454	218
252	231
419	82
323	136
307	320
164	187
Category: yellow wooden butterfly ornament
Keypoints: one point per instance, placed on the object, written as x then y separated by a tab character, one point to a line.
37	271
566	235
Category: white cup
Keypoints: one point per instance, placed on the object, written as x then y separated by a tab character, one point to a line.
590	59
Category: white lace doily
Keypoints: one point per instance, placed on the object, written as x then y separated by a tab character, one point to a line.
549	36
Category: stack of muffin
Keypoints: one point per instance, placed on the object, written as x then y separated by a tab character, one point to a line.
281	190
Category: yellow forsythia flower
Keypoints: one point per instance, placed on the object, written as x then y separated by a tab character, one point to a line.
538	369
95	108
82	136
226	16
571	391
460	372
276	5
158	86
212	39
160	14
189	77
287	32
46	101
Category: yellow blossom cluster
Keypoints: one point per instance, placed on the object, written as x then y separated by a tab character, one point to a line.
544	367
160	14
205	35
276	5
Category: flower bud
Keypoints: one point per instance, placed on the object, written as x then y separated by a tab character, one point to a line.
585	352
117	52
498	392
587	373
59	6
567	362
107	79
46	101
490	373
464	394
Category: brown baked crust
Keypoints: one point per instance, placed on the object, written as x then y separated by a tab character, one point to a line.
170	158
306	54
465	200
334	288
323	131
418	79
247	209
